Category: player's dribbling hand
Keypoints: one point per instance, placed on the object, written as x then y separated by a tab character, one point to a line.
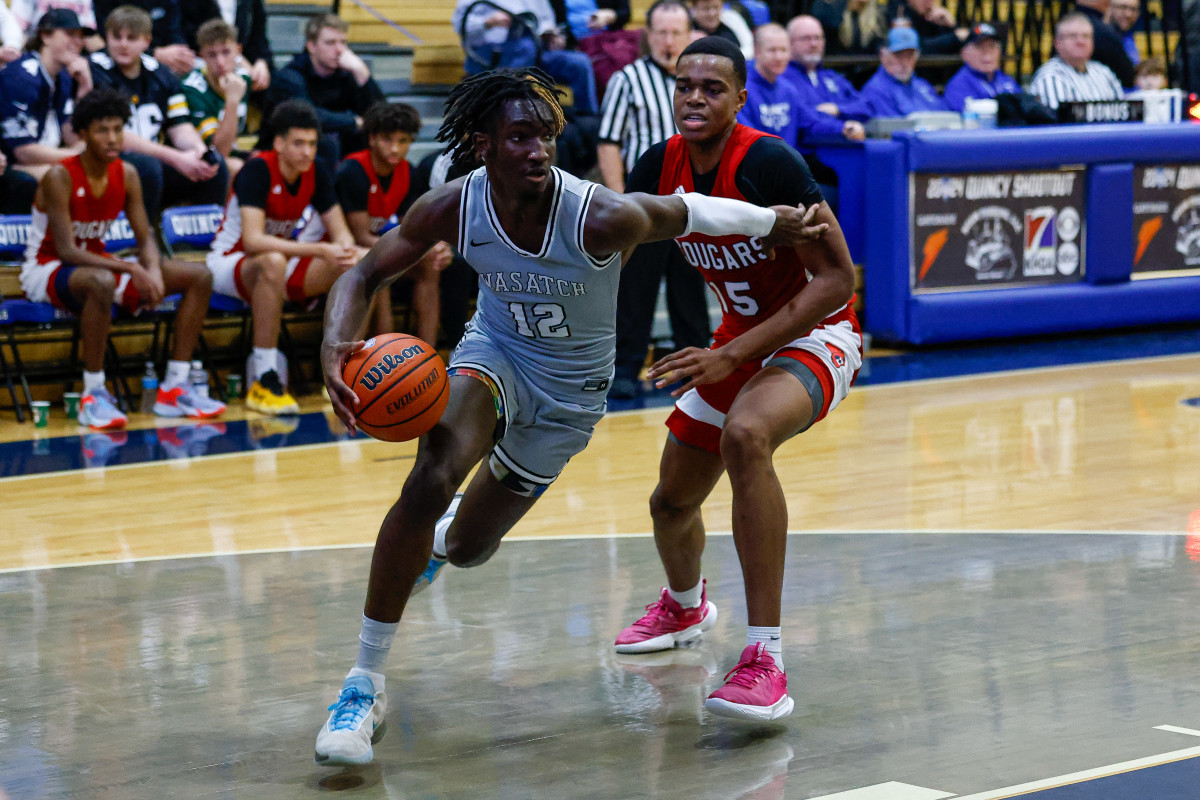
692	365
794	226
343	398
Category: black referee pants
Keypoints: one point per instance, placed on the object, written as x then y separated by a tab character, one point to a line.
638	295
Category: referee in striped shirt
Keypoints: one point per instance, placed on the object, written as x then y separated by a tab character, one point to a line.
1071	75
637	114
637	111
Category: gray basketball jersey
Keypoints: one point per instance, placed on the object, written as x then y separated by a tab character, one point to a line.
554	311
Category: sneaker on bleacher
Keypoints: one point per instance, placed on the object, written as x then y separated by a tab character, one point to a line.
267	396
98	410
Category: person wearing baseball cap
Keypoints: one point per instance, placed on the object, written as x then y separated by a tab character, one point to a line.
980	76
38	92
895	90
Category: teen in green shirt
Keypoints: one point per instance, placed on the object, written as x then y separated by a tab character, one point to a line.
216	93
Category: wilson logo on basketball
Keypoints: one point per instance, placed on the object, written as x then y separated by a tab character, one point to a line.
384	367
412	394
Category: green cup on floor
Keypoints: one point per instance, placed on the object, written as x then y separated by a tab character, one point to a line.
41	413
233	387
71	401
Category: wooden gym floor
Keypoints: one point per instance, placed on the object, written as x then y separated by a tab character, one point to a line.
990	591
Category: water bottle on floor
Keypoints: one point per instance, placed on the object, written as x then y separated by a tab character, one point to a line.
198	379
149	388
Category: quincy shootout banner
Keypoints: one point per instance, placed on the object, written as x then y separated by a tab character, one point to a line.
997	229
1166	217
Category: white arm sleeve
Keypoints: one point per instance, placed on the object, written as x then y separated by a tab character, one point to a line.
721	216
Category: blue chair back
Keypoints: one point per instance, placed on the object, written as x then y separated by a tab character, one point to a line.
14	233
193	226
120	235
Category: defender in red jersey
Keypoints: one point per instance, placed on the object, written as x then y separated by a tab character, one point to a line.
254	255
375	187
786	353
77	202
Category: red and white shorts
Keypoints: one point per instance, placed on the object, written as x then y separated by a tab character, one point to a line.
46	282
830	356
226	269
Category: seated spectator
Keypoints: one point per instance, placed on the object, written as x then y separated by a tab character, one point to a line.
827	91
851	27
774	105
1072	75
1150	75
66	264
374	188
1108	48
980	76
1122	16
167	44
710	18
38	92
186	170
935	26
28	12
216	92
895	90
581	19
506	33
12	36
249	19
334	80
253	255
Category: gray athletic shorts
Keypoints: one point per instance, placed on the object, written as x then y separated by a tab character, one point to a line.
539	433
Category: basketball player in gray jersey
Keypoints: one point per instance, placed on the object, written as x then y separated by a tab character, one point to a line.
528	380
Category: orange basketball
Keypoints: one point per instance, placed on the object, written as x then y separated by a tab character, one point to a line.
401	384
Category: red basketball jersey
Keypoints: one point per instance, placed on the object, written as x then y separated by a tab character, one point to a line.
750	286
91	216
283	211
383	204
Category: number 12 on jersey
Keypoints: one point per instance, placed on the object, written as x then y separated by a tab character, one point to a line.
542	321
732	297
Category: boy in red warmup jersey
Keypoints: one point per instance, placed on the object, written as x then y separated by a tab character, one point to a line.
254	256
65	262
786	353
375	187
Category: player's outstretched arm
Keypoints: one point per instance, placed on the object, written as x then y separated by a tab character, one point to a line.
433	218
620	222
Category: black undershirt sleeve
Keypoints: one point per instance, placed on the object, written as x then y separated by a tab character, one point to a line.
252	184
646	172
774	174
323	197
352	186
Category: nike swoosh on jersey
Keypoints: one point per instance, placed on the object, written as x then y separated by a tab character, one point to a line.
481	244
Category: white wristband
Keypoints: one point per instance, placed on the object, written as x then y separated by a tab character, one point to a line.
722	216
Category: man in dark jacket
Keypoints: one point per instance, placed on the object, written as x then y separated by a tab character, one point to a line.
1109	45
335	81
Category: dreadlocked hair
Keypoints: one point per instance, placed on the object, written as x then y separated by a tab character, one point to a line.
475	100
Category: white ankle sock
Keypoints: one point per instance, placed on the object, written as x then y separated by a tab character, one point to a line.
177	374
374	642
439	540
92	381
690	598
265	360
771	637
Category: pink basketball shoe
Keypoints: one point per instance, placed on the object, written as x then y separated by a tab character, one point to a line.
667	624
757	690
